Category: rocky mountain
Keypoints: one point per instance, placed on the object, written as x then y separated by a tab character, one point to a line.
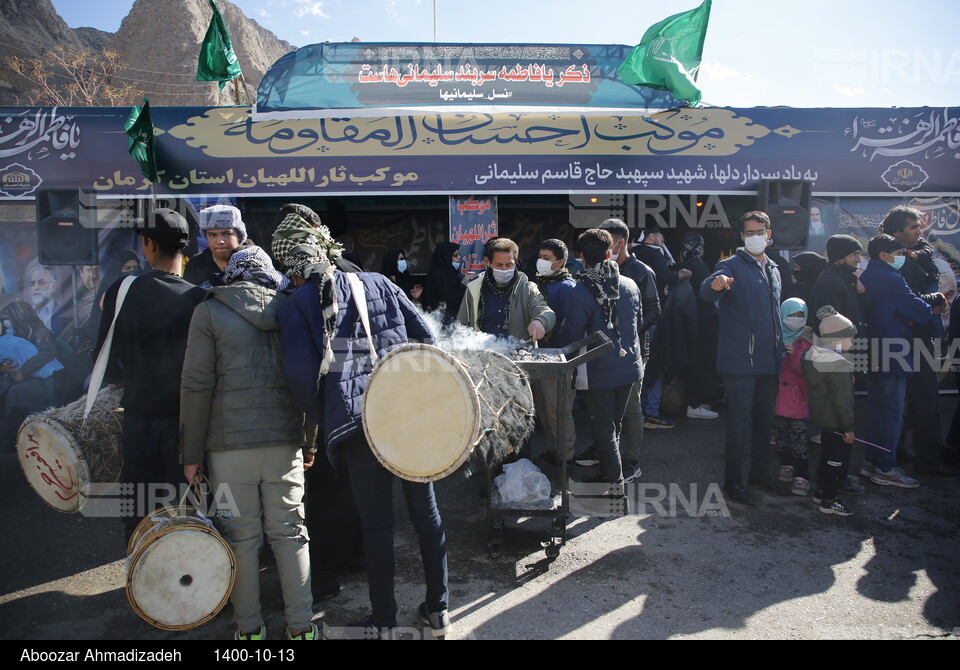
158	42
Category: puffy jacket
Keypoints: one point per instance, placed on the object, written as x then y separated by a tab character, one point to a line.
890	318
750	342
233	393
584	317
830	389
837	287
792	396
335	401
526	305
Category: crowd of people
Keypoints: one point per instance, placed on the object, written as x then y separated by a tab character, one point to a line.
250	369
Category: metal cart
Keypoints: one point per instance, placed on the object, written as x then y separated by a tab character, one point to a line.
545	364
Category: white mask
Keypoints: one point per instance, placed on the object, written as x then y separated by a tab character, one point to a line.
756	244
795	322
503	276
545	268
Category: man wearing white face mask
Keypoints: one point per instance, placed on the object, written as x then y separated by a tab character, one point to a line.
555	284
502	301
750	351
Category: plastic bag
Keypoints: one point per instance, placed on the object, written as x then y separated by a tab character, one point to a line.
522	482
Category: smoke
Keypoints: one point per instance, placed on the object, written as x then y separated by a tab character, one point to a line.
457	337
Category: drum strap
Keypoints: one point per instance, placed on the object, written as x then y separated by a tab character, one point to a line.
360	298
100	367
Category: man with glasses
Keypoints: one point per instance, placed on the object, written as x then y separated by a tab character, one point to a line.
746	288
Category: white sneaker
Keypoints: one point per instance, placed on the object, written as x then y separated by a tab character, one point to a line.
630	476
894	477
701	412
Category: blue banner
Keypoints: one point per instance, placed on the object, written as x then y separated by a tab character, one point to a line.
473	221
358	79
222	151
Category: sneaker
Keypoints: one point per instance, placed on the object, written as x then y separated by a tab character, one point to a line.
656	423
587	458
786	473
365	629
312	633
834	507
801	486
815	438
867	469
439	622
851	486
259	635
894	477
701	412
631	473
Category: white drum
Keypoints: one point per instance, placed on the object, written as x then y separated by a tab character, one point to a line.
61	456
425	410
180	571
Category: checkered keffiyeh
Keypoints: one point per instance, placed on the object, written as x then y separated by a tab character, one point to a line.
294	230
254	265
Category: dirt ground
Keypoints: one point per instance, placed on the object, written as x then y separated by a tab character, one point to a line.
777	570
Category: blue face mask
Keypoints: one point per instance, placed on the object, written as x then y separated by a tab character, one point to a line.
401	266
897	262
456	266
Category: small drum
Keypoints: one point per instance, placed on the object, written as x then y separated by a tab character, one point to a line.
180	571
61	455
426	410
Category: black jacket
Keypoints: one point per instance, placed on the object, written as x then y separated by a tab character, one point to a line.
837	287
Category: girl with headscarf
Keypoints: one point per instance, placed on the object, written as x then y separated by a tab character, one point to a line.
444	286
793	410
395	268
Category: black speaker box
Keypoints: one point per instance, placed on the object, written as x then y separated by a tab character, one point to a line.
66	227
787	202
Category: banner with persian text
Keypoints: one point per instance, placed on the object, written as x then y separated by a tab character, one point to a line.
358	79
224	151
473	221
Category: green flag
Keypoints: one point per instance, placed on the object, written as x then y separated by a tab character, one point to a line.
668	56
143	143
217	61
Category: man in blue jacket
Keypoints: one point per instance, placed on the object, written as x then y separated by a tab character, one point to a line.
892	359
328	363
606	301
746	288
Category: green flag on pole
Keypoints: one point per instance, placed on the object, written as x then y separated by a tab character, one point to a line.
668	56
143	143
217	60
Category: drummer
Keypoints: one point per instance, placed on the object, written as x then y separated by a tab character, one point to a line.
146	357
319	327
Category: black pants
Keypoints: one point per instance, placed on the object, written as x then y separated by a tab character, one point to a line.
923	407
333	523
151	462
606	411
834	454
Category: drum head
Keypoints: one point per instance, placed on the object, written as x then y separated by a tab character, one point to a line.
180	579
53	463
421	413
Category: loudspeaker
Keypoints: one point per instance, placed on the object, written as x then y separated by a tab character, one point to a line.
67	227
787	202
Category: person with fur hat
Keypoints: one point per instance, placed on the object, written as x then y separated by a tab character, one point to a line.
829	378
224	230
237	411
793	410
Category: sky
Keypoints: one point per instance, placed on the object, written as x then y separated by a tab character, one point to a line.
798	53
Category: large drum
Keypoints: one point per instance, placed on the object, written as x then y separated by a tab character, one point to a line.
426	410
180	571
62	456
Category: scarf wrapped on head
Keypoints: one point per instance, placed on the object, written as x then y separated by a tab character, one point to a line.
294	230
308	261
253	264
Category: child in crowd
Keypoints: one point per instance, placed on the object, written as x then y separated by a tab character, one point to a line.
830	382
792	411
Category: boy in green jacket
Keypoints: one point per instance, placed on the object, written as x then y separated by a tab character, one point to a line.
830	387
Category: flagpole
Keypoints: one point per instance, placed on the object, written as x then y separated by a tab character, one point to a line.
434	20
